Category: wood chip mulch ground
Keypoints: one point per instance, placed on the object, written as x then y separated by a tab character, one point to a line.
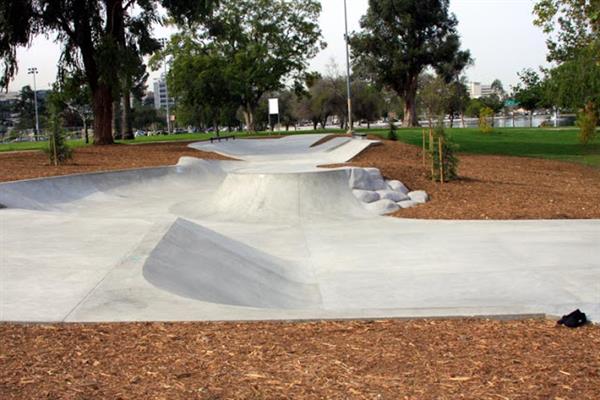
34	164
491	187
422	359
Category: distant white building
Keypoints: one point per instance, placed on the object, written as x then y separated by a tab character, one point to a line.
477	90
160	94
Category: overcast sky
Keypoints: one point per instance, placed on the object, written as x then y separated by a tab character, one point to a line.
499	33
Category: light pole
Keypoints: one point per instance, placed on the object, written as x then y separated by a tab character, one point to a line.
163	42
348	84
33	71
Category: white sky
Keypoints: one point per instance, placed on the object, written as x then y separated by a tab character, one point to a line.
499	33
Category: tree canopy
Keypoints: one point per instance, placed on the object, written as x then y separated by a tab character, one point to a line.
97	37
399	39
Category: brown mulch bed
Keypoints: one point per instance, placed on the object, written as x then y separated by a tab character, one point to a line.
422	359
491	187
34	164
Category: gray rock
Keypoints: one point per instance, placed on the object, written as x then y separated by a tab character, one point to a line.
407	203
419	196
398	186
366	196
381	207
362	179
392	195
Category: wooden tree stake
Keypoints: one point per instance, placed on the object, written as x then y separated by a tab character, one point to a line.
441	158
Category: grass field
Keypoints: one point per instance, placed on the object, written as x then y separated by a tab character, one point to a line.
559	144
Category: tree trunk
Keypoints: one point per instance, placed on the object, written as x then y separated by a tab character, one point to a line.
249	117
315	124
85	131
410	104
102	105
368	124
116	132
462	119
451	120
126	130
531	119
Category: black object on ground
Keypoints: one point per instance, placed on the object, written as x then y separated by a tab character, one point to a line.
573	320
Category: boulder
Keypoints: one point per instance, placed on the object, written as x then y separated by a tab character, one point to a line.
419	196
362	179
381	207
392	195
366	196
397	186
407	203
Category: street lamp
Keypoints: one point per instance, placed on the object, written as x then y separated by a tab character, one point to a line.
348	85
33	71
163	43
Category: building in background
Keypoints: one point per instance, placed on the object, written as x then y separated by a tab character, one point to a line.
477	90
160	95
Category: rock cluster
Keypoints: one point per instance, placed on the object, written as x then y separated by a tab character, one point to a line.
382	196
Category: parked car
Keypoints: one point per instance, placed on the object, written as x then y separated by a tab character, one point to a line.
139	133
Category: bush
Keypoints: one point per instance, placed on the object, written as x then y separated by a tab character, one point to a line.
449	160
58	150
392	133
484	124
587	120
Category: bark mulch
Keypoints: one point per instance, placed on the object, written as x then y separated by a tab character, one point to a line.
34	164
421	359
491	187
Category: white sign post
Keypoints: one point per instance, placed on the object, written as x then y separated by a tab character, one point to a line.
274	109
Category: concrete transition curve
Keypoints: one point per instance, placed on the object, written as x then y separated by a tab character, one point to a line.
273	236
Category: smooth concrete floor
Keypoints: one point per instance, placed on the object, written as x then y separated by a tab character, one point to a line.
271	237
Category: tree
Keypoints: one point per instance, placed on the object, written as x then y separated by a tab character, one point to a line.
72	93
433	95
570	25
458	100
263	43
529	93
92	35
401	38
575	84
367	102
498	88
25	108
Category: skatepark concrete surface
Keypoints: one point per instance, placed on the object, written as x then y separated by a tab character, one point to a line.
272	237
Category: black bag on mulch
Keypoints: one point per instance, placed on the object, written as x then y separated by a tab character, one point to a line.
573	320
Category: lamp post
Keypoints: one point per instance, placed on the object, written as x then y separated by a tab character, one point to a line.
163	42
348	84
33	71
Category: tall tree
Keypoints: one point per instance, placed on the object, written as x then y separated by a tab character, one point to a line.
401	38
92	34
263	43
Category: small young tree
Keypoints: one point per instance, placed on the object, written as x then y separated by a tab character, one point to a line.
485	114
58	150
392	135
443	157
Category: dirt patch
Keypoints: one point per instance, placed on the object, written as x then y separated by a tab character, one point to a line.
34	164
424	359
491	187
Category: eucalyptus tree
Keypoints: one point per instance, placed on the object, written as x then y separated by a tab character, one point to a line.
402	38
93	36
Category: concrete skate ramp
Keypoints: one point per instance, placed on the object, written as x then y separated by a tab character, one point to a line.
57	193
279	198
198	263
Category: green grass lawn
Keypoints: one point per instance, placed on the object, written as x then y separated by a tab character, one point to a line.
559	144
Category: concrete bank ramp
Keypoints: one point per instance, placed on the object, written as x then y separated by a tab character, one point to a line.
195	262
285	197
59	193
